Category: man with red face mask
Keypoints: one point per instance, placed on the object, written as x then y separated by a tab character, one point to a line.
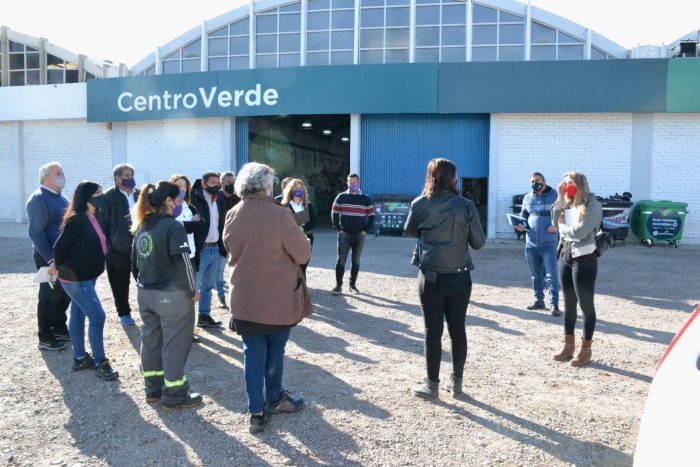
116	217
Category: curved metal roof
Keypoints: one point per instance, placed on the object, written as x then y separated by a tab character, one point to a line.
512	6
90	65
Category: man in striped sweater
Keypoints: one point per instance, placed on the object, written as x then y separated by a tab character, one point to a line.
353	218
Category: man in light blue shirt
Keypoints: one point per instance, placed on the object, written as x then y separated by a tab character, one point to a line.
541	243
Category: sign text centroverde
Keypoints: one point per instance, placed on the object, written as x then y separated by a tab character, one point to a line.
307	90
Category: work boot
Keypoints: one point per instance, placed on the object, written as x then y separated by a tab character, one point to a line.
454	386
426	388
584	355
567	351
555	310
537	306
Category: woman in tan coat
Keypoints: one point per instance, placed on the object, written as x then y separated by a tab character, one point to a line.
268	294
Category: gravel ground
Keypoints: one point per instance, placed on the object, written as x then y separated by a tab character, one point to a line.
354	360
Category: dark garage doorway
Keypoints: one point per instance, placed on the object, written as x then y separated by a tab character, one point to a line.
314	148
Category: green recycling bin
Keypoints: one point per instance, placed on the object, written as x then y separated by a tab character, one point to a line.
660	221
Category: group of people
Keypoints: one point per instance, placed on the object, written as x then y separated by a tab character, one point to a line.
175	238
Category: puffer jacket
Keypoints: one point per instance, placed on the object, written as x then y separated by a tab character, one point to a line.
446	225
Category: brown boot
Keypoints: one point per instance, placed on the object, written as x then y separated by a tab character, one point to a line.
567	351
584	355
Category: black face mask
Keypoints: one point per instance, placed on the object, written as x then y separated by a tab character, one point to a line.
98	201
537	186
212	190
228	188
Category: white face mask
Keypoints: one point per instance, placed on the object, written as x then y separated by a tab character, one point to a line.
60	181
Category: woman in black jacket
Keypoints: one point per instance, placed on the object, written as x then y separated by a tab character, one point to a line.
79	253
163	271
446	225
296	197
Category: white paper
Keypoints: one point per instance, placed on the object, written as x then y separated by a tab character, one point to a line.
42	275
569	215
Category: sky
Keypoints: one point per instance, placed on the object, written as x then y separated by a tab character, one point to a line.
128	30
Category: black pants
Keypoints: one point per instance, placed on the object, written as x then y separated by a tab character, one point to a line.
444	297
578	286
52	306
119	275
305	265
346	242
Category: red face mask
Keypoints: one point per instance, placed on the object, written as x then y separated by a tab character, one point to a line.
571	191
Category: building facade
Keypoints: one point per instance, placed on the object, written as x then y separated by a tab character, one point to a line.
320	87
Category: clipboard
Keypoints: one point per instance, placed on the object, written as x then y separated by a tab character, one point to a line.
302	217
517	220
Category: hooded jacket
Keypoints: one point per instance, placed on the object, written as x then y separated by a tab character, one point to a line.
537	210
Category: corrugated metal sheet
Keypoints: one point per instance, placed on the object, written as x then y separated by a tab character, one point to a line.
396	149
241	142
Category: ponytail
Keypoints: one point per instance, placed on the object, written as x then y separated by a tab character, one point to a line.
151	200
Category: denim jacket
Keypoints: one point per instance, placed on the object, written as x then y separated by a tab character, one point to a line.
537	211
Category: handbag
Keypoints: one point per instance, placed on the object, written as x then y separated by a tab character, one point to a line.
603	241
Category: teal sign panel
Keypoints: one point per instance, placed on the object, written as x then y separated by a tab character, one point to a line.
279	91
564	86
684	85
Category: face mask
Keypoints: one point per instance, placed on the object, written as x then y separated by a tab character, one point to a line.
298	193
537	186
177	210
228	188
354	187
60	181
571	191
183	194
212	190
98	201
128	183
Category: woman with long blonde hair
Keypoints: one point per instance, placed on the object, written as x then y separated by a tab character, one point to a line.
578	215
296	197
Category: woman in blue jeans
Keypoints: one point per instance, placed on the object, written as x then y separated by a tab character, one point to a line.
268	289
79	253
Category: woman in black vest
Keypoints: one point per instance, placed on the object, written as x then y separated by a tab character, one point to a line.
79	253
296	197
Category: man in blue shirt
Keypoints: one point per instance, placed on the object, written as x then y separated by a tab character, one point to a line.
541	243
45	209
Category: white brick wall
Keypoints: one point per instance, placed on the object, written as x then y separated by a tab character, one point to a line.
676	165
159	149
599	145
8	190
83	149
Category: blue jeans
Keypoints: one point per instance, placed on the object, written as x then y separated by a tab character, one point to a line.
542	262
220	276
84	302
206	276
263	364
